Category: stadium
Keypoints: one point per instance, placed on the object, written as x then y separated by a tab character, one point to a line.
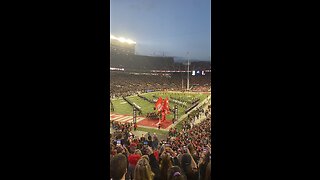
157	101
137	81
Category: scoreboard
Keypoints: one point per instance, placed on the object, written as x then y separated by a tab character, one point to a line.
198	73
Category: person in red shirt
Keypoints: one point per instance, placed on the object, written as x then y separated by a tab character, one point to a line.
133	159
156	154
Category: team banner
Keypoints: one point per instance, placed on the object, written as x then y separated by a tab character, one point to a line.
166	106
158	104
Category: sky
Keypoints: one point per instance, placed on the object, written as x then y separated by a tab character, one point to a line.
169	27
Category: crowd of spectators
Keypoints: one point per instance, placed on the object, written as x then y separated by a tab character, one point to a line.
126	84
201	88
140	62
184	154
121	127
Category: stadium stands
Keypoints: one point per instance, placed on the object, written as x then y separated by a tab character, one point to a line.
183	153
133	62
137	62
124	83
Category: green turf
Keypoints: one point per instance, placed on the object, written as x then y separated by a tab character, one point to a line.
146	107
122	107
152	130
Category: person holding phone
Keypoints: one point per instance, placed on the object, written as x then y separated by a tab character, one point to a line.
118	142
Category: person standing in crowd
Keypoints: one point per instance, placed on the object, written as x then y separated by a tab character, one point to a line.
165	165
133	160
155	141
175	173
203	163
208	172
118	167
189	167
135	126
153	163
143	170
142	139
149	140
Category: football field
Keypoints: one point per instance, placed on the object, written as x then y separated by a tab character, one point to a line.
182	99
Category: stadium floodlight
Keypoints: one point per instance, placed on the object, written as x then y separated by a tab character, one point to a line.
130	41
122	39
